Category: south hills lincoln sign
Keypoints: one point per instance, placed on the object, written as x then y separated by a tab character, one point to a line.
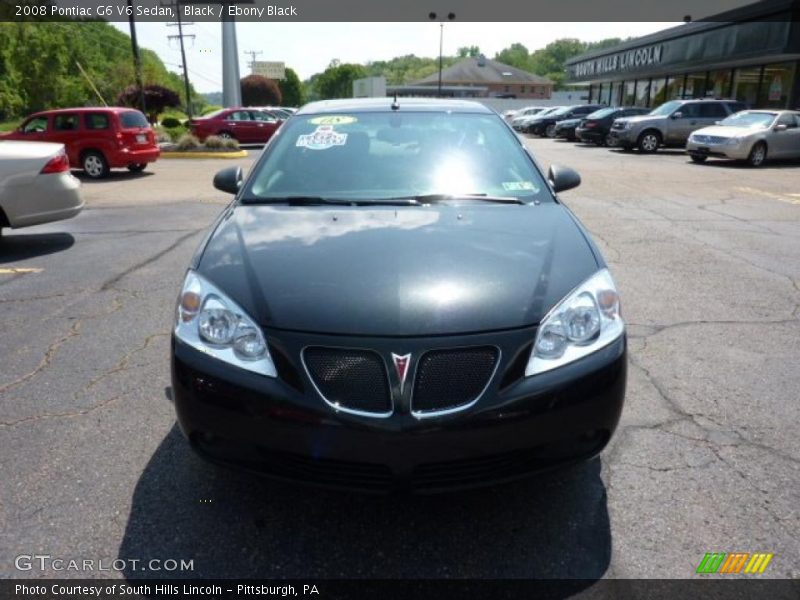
619	62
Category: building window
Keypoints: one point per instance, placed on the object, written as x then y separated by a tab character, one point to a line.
522	89
745	85
776	85
674	87
719	84
616	88
642	92
695	85
508	88
629	93
658	92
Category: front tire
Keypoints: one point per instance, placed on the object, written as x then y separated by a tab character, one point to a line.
137	168
226	135
94	165
648	142
698	158
758	154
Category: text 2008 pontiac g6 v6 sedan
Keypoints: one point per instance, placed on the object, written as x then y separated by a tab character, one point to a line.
396	299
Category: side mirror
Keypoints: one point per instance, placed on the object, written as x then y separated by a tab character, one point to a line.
676	115
563	178
781	127
229	180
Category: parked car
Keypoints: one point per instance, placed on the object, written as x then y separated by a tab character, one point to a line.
596	126
509	114
546	126
566	129
36	185
96	139
529	122
670	124
396	297
246	125
525	113
749	135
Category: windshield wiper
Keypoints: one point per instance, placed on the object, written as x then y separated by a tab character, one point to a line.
433	198
320	201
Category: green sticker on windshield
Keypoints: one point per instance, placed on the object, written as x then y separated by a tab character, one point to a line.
519	186
333	120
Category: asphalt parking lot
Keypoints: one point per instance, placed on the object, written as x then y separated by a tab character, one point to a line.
707	457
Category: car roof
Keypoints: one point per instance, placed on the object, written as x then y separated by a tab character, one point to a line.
385	104
84	109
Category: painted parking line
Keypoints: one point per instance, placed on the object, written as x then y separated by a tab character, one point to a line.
19	270
788	198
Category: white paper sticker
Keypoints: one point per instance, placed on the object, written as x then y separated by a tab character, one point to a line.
519	186
322	138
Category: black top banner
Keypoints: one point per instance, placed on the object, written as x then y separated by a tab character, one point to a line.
386	11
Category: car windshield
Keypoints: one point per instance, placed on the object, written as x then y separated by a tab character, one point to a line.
381	155
603	112
749	119
665	109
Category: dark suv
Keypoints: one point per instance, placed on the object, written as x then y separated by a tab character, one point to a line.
670	124
595	127
546	126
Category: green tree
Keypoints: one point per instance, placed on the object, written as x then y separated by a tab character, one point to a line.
465	51
337	80
515	55
291	89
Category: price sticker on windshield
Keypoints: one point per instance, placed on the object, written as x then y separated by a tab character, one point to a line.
322	138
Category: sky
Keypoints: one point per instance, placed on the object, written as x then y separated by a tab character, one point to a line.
308	48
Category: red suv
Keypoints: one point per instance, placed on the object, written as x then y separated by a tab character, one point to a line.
96	139
245	125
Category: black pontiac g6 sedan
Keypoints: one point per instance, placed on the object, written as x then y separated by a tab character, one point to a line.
396	299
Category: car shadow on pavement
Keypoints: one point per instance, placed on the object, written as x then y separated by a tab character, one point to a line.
234	525
22	246
113	176
740	164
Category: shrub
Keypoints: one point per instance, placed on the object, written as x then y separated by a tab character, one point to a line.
214	142
231	144
188	142
176	133
170	122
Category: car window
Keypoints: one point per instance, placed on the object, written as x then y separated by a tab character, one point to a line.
35	125
132	119
238	115
787	119
691	110
602	113
713	110
736	106
379	155
65	122
96	121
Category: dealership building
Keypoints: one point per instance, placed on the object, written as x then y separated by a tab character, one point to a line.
751	54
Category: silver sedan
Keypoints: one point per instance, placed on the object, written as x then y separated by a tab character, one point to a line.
749	135
36	185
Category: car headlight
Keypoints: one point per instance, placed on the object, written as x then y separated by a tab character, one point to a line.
733	141
585	321
628	125
212	323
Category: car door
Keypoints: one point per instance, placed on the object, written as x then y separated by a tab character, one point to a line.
66	131
265	125
241	125
682	122
785	143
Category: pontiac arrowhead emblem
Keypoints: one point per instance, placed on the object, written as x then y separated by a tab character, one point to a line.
401	366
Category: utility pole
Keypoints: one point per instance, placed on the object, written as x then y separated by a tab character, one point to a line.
179	24
253	54
231	84
137	63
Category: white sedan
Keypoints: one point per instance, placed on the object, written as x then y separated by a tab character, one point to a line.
749	135
36	185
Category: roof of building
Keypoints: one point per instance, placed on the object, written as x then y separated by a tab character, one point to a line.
476	69
385	104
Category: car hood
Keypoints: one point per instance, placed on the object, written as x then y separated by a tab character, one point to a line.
640	118
727	131
569	122
385	271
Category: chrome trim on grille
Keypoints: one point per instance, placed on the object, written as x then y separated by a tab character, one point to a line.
425	414
344	409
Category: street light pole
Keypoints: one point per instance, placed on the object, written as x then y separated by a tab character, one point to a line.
137	63
432	17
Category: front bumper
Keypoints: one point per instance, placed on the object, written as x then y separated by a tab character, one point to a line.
738	151
282	428
623	137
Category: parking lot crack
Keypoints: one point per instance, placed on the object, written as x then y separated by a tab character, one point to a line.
66	414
